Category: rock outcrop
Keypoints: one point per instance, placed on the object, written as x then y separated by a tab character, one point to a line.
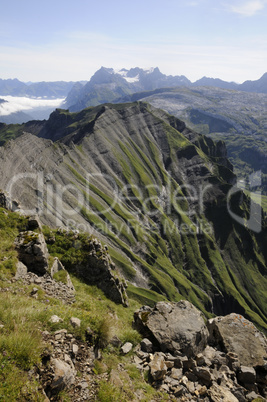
32	251
7	203
99	270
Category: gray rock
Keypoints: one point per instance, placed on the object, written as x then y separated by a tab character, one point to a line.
158	367
127	347
204	374
247	375
64	375
75	322
75	349
55	319
175	326
176	373
146	345
239	336
32	251
219	393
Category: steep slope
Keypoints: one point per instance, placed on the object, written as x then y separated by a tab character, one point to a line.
156	192
238	118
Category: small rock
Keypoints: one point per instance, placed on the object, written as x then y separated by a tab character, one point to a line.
180	390
169	364
246	375
200	359
34	291
191	387
127	347
75	322
146	345
55	319
64	375
75	349
176	373
164	388
204	374
201	390
137	360
158	367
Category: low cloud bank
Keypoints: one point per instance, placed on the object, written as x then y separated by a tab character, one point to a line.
15	104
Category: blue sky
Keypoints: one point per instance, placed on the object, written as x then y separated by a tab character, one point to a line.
69	40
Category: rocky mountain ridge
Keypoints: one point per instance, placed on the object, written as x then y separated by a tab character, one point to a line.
167	247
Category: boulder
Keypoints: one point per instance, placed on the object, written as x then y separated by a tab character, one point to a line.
247	375
240	337
174	327
32	251
64	375
218	393
158	368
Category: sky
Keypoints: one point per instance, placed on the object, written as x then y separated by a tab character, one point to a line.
54	40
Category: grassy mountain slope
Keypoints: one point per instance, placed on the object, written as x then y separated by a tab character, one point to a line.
24	320
238	118
136	177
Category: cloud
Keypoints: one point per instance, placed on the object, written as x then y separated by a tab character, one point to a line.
15	104
248	8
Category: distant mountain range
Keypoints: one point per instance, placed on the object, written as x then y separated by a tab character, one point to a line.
109	85
14	87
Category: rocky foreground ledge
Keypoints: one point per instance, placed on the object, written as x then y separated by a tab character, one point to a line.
224	359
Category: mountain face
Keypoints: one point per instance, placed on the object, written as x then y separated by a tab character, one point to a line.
259	85
238	118
155	192
14	87
216	82
109	85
